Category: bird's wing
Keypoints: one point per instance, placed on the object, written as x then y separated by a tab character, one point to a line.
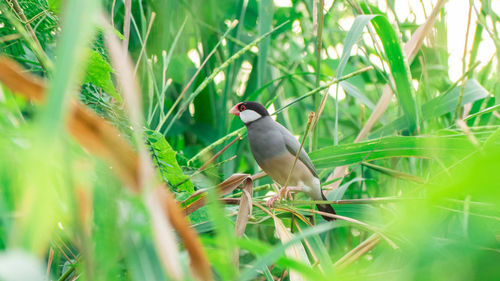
293	145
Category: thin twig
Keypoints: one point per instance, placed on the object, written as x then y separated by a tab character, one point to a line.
49	262
377	200
237	138
153	15
20	13
357	252
458	111
309	121
367	226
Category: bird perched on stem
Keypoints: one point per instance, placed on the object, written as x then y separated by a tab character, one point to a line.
274	148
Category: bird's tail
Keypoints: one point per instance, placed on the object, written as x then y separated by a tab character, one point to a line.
327	208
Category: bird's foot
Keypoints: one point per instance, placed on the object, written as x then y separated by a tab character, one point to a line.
282	193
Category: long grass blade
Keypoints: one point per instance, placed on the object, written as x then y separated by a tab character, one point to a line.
410	49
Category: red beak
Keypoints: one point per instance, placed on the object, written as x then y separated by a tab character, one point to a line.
235	110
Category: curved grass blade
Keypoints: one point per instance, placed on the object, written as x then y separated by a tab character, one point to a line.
396	146
353	36
398	65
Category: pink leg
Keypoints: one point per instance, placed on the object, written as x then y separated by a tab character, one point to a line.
283	192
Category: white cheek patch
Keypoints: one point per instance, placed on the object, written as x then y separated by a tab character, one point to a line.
249	115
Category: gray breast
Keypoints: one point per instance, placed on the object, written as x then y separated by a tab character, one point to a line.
266	141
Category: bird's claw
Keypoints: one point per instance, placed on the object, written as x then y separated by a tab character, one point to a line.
283	193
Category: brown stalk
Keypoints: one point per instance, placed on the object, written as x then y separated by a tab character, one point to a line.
49	263
113	13
237	138
143	47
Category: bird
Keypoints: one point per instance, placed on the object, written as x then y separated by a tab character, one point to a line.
274	149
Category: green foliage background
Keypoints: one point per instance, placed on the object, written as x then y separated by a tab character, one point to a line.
426	189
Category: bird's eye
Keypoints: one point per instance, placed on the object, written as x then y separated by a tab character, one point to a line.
243	108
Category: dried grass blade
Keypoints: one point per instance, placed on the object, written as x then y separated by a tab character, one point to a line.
126	23
165	242
163	233
357	252
295	251
12	75
244	211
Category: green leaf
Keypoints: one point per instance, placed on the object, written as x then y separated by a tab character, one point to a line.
447	102
54	5
351	38
338	193
427	147
164	158
397	63
353	91
99	73
441	105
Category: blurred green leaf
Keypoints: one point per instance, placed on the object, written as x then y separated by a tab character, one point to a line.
264	26
99	73
71	52
54	5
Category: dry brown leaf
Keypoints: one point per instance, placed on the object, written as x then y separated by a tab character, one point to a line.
223	188
244	211
410	49
14	77
84	207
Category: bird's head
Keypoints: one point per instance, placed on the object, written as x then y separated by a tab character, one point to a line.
249	111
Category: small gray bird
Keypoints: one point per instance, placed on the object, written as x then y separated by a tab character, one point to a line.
274	148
